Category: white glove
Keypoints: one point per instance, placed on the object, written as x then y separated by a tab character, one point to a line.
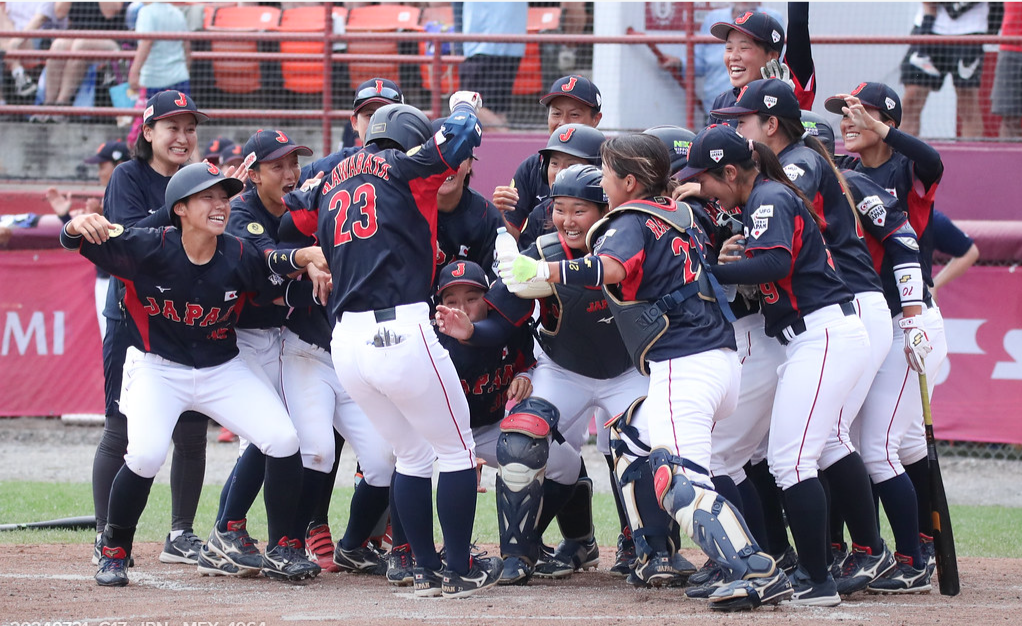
776	69
472	98
917	343
523	270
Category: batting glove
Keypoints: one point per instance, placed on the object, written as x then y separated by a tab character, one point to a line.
471	98
917	343
778	70
522	270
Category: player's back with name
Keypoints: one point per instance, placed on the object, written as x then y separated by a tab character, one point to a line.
180	311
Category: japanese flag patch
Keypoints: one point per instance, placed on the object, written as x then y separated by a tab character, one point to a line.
873	208
230	295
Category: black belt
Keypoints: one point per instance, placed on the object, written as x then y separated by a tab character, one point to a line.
799	326
386	315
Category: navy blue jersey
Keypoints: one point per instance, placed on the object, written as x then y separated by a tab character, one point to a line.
375	216
658	260
948	238
307	320
539	223
327	163
251	221
532	187
135	192
469	232
183	312
576	327
486	373
774	217
814	176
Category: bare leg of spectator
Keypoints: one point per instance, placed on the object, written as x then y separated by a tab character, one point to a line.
912	104
75	69
55	70
1011	128
969	112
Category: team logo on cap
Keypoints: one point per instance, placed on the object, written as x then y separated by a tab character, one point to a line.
889	102
379	86
212	169
775	36
568	86
182	100
565	137
716	155
744	18
861	86
281	137
459	270
769	101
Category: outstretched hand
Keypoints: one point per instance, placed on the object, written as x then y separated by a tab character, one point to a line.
454	323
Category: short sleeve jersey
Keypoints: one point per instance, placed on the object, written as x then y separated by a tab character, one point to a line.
774	217
658	260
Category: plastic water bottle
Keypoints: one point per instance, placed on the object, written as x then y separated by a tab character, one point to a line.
506	249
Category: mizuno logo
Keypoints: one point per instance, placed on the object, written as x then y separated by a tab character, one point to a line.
162	289
606	320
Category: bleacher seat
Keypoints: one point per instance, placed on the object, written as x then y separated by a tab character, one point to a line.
240	77
304	76
378	18
442	16
529	79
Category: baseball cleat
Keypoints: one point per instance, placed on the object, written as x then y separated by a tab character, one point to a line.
861	568
401	566
98	546
361	560
184	549
212	564
236	546
745	595
657	570
904	578
570	556
112	567
704	574
809	593
285	562
428	584
482	573
319	547
515	571
788	561
625	556
839	554
925	546
705	590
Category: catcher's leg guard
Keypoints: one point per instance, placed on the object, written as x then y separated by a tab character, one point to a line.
522	451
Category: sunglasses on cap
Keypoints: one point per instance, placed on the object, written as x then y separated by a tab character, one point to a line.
384	92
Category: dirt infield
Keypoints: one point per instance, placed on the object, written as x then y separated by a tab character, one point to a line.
53	584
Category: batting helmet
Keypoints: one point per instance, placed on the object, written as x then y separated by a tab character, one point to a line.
678	140
578	140
401	123
579	181
192	179
817	126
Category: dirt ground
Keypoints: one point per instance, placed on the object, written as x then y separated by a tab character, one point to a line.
53	584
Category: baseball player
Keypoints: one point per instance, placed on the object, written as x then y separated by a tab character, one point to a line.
213	149
375	213
571	99
647	257
767	111
808	308
186	284
135	197
892	442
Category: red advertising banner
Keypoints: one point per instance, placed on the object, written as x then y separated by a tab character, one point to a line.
50	352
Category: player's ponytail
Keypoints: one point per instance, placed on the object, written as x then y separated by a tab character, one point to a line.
143	148
643	156
817	146
771	168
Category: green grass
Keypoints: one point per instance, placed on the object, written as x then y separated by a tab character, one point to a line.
980	531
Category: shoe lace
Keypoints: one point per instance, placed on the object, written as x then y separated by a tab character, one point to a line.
111	565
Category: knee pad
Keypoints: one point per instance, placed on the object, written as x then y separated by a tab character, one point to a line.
707	518
522	450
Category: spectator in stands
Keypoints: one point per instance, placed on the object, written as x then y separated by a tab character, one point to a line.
924	67
1006	99
716	77
161	64
949	239
64	76
490	68
25	16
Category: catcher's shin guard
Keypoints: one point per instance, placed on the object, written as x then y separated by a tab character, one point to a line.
522	452
708	519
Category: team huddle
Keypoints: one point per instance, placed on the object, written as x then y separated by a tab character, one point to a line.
746	313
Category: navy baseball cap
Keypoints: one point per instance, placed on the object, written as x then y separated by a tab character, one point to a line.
574	86
380	90
462	273
876	95
111	151
230	153
270	145
715	146
169	103
756	24
215	147
770	96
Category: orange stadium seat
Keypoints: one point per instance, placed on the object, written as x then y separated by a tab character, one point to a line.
304	76
529	78
378	18
240	77
444	17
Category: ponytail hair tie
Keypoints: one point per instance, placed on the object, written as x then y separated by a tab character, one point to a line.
751	147
806	134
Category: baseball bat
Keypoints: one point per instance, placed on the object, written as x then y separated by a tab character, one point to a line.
69	523
660	57
943	536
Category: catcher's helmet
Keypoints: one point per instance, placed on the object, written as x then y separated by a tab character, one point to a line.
678	140
818	126
401	123
579	181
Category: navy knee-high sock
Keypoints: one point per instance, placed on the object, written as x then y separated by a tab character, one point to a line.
773	511
555	497
283	488
851	491
247	479
456	509
414	499
187	469
726	487
899	499
128	496
397	530
919	473
312	489
321	509
367	505
108	461
752	511
806	504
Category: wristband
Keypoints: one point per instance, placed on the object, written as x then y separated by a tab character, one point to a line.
282	262
584	272
908	278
